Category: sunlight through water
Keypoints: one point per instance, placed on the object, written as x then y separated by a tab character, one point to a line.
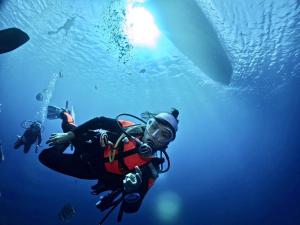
140	26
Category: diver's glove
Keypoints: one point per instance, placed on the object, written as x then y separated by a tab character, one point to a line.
133	181
132	198
60	138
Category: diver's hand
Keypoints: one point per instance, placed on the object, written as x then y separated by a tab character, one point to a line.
60	138
133	181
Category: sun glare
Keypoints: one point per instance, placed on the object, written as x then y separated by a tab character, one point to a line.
140	27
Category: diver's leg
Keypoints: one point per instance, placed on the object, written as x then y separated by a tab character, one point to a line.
18	143
67	125
67	122
26	148
67	164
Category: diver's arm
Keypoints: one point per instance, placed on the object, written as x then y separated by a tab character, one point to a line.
133	206
141	179
104	123
98	123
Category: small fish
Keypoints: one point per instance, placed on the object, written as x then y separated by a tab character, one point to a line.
39	97
142	70
66	213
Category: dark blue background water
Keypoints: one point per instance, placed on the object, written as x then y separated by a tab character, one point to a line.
236	157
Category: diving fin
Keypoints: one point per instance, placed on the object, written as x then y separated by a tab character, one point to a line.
54	112
11	39
147	115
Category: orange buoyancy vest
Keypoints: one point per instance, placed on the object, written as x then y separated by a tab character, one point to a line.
129	156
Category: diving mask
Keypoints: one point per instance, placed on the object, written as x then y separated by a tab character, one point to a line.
159	132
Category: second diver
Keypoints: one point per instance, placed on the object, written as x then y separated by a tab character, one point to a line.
31	135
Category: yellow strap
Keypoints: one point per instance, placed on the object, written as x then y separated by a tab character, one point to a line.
114	147
112	154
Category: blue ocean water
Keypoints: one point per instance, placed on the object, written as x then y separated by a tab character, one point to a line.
236	157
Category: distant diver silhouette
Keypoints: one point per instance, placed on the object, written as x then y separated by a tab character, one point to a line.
67	26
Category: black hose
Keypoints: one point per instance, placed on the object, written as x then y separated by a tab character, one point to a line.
130	115
163	151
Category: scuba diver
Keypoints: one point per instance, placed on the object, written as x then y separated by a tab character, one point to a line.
124	157
31	135
66	26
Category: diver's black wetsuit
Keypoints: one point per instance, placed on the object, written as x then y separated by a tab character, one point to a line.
87	162
31	135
